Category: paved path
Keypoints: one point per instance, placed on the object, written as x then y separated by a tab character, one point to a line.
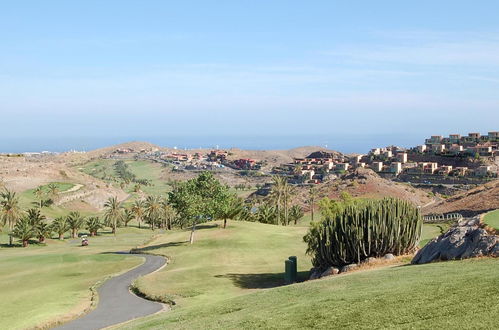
116	303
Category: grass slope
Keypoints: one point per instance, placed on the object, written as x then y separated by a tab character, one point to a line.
492	219
448	295
27	199
103	169
223	263
40	284
430	231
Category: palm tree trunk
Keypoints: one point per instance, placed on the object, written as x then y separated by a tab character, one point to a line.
225	223
10	239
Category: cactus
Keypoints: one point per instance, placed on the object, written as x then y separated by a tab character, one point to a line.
363	229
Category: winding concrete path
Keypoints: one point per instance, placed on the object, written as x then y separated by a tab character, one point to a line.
116	303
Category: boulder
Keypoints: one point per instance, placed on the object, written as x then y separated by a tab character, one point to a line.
349	268
315	273
388	256
330	271
464	240
369	260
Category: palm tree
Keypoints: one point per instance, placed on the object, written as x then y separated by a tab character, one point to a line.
153	210
278	194
60	226
113	213
75	222
266	213
128	216
53	190
38	192
37	221
296	213
246	213
230	209
168	214
24	231
93	224
138	210
10	212
287	194
312	197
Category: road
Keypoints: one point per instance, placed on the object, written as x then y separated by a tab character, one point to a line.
116	303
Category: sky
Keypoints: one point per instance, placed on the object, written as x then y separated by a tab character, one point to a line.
351	75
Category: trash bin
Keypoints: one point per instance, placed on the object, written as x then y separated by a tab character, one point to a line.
294	270
288	271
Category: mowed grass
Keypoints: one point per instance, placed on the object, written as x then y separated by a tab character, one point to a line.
27	199
430	231
446	295
43	284
492	219
223	263
103	169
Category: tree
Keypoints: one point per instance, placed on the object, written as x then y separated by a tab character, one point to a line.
246	213
60	226
93	224
296	213
230	208
127	216
113	213
24	231
10	212
53	190
39	193
153	210
138	210
312	198
288	192
75	222
281	195
266	214
197	200
276	194
40	227
169	214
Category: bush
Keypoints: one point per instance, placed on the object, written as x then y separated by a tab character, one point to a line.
362	229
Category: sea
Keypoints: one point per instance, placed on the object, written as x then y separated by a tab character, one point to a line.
346	143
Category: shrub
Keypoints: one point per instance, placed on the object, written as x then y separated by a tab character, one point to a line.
363	229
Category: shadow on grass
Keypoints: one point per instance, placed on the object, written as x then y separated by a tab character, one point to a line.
17	244
205	226
159	246
261	281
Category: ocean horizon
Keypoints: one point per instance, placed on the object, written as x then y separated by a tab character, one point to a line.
344	143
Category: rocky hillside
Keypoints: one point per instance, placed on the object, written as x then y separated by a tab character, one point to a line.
365	183
478	200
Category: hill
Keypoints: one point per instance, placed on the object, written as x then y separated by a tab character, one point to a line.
475	201
364	183
214	283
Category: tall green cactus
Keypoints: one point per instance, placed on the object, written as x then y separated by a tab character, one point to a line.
362	229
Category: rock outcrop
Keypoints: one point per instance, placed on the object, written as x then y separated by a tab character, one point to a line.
464	240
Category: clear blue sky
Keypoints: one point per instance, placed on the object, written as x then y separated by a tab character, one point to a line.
381	71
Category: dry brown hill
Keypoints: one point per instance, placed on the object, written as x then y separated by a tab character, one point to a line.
364	183
277	157
478	200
